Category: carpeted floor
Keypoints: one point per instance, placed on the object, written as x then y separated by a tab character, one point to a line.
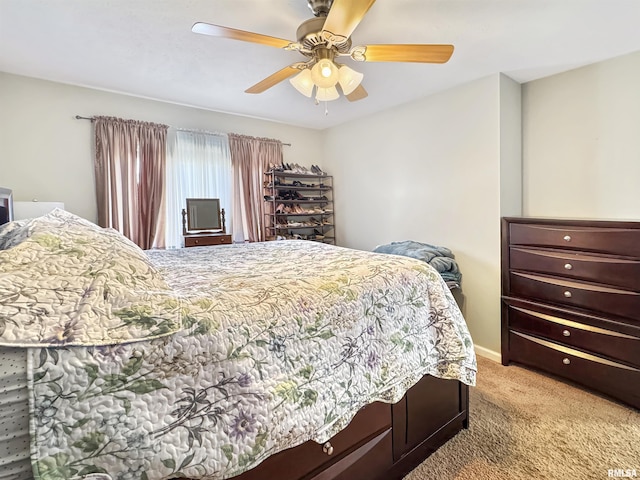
528	426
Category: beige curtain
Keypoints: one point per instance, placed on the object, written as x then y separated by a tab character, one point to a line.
250	159
130	176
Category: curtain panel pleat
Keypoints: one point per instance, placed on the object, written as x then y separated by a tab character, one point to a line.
250	159
130	163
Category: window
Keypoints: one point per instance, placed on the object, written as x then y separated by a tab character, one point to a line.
198	166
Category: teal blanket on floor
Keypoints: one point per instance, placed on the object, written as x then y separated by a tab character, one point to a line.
440	258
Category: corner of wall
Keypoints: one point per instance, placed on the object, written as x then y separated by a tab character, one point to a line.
510	147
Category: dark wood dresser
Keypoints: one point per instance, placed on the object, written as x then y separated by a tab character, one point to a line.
206	239
571	301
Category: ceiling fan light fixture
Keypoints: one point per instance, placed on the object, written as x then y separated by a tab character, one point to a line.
325	73
327	94
303	82
349	79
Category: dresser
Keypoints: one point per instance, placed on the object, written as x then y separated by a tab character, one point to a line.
571	301
206	239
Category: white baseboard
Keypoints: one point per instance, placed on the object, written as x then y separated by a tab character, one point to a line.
486	353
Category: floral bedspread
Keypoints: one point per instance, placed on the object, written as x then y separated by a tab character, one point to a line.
66	281
280	342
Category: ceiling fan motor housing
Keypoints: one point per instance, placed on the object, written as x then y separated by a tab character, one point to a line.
320	8
309	35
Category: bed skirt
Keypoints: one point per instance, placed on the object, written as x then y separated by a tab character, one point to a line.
14	415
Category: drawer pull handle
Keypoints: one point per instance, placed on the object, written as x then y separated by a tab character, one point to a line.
568	266
196	241
327	448
567	294
567	238
566	361
566	333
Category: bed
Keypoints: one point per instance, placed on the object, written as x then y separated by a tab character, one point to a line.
269	360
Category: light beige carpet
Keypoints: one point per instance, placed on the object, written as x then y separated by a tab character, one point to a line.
525	425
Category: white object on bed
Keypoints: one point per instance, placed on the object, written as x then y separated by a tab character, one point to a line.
22	210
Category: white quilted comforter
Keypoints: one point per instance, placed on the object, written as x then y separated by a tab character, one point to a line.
202	362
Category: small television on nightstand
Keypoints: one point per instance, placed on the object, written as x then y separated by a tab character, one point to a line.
6	205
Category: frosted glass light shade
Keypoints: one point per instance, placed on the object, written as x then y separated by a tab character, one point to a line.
325	73
327	94
349	79
303	82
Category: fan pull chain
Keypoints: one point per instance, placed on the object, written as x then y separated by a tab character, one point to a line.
326	106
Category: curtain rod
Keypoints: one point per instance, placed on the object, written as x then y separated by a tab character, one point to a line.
78	117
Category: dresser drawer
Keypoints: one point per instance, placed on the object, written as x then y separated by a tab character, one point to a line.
609	300
206	240
617	241
300	461
600	341
611	378
596	268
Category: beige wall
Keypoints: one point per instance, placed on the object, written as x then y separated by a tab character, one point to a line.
431	171
45	153
581	148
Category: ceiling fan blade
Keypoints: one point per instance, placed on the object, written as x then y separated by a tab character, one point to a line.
344	17
403	53
226	32
358	94
274	79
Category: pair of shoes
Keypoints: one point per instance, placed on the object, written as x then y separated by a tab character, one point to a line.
290	195
280	208
273	168
317	170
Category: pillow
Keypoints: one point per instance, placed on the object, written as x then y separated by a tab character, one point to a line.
66	281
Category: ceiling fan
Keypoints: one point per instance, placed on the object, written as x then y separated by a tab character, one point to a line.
323	39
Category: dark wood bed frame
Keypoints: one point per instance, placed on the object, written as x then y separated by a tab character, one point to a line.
382	442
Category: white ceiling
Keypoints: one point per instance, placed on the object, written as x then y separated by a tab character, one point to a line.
146	48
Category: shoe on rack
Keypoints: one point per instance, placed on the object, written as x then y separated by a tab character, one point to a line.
318	234
280	208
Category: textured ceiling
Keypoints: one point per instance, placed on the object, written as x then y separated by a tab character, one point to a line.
146	48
